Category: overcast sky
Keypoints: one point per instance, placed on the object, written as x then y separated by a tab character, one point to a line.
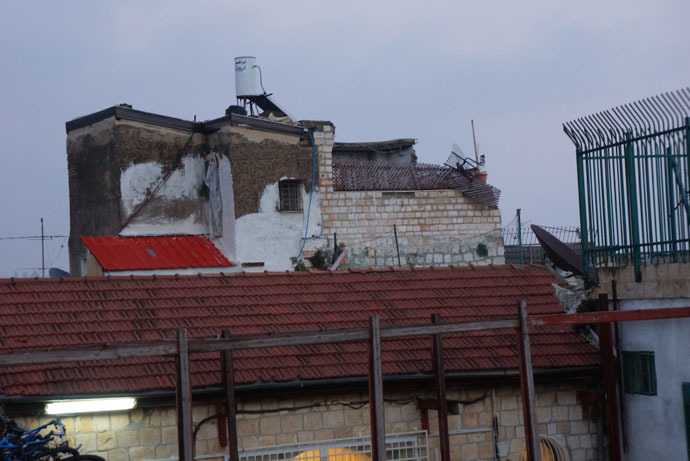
377	69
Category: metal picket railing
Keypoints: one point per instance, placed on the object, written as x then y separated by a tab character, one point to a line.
633	168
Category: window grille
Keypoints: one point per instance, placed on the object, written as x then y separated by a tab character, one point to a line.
290	192
639	373
408	446
399	447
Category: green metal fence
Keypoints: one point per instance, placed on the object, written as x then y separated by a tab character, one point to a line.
633	168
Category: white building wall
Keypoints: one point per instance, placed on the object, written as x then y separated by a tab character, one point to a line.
274	237
655	424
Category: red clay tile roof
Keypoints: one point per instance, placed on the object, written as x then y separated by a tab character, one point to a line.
42	313
358	175
155	252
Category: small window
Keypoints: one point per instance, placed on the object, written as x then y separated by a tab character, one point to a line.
290	195
639	373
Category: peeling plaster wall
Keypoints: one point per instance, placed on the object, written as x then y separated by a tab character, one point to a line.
114	165
274	237
177	201
660	418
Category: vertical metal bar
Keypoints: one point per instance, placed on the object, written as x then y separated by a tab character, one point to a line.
335	246
43	259
583	213
183	389
397	248
376	415
632	206
687	177
521	259
440	381
609	206
527	386
608	362
623	234
228	371
670	190
619	365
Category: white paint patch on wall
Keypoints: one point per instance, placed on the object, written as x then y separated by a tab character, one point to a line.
166	226
138	180
135	183
273	237
659	418
227	242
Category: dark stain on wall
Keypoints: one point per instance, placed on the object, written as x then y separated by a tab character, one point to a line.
258	164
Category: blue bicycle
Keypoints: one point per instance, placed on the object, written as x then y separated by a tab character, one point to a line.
20	444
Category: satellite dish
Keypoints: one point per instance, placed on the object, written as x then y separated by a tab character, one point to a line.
457	158
56	273
558	252
461	162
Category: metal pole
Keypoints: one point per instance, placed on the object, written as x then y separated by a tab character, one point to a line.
527	386
335	246
632	205
43	260
519	236
397	248
440	381
671	200
185	440
228	370
584	237
474	140
376	410
608	362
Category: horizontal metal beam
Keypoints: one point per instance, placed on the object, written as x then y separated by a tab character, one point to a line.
237	342
610	316
87	353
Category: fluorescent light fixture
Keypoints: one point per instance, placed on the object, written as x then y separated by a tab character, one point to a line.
70	407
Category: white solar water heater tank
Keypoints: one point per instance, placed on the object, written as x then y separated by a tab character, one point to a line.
247	78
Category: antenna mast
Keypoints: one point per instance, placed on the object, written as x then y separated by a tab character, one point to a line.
43	259
474	140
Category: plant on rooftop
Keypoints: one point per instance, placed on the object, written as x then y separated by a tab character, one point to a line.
318	261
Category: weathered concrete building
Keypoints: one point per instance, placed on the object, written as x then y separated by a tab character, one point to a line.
268	192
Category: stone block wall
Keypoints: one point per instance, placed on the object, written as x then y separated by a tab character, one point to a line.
662	280
151	433
434	227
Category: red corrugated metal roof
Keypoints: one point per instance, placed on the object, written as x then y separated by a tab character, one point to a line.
41	313
155	252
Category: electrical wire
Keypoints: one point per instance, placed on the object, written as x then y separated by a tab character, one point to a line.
355	405
311	193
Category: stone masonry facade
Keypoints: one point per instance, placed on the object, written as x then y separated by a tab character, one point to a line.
151	433
662	280
434	227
